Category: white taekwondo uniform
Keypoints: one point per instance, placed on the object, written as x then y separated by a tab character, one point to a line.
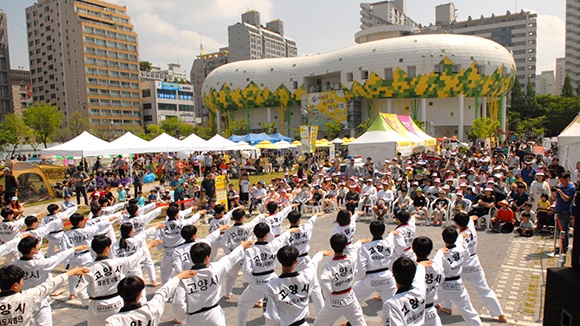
452	288
55	237
407	232
203	291
171	236
215	224
8	231
407	306
473	273
373	270
134	243
38	272
348	230
336	280
287	296
275	221
258	265
434	276
9	247
18	308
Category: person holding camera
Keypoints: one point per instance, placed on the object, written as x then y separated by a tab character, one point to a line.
564	195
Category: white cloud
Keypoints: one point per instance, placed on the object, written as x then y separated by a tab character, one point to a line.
551	41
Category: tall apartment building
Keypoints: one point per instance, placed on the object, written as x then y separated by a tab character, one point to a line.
573	40
84	57
560	74
162	100
21	89
515	31
5	88
247	40
385	19
545	83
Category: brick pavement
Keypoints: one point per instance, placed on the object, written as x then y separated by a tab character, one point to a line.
513	268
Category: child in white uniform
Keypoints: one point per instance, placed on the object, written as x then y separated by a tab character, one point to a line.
422	246
336	281
346	224
55	237
406	230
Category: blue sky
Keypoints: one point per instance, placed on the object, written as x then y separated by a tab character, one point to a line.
172	30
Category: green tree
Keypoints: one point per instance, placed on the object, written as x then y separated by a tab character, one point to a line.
145	65
204	132
567	89
239	127
13	132
578	89
518	99
296	132
333	129
75	124
176	128
44	119
363	127
483	128
532	107
269	127
152	131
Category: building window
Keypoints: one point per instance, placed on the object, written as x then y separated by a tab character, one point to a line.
438	69
388	73
295	85
455	69
411	71
364	75
349	77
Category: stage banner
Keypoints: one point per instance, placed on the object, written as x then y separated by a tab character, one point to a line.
313	137
305	139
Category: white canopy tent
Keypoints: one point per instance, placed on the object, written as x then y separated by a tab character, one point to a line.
193	142
569	145
83	145
217	143
380	142
284	144
128	144
165	143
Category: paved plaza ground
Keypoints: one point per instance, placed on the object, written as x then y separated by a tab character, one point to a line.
515	269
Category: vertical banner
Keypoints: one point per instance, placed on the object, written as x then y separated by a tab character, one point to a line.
305	139
221	192
313	137
332	152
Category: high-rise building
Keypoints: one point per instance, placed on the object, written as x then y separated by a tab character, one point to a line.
248	40
84	57
384	19
572	53
21	89
545	83
163	100
5	88
515	31
560	74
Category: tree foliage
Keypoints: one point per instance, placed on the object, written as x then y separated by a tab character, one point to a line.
13	132
333	129
567	89
269	127
74	125
145	65
239	127
44	119
176	128
483	128
363	127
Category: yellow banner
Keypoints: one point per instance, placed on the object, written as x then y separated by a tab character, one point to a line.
313	137
305	138
326	107
221	192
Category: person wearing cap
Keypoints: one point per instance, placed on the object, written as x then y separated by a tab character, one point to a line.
259	194
528	173
504	220
519	200
11	185
421	204
484	204
121	193
537	188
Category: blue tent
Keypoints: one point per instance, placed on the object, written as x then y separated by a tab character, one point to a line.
252	138
278	137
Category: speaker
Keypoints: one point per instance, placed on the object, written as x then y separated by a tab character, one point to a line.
562	297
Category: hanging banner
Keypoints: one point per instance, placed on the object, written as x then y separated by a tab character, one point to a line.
313	137
305	139
221	192
332	151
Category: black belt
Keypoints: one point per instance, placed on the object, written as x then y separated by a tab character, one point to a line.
204	309
105	297
263	273
303	255
81	253
454	278
429	305
473	254
378	270
298	322
53	232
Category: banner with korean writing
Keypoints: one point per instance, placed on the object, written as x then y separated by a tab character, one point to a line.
330	106
313	137
221	192
305	139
